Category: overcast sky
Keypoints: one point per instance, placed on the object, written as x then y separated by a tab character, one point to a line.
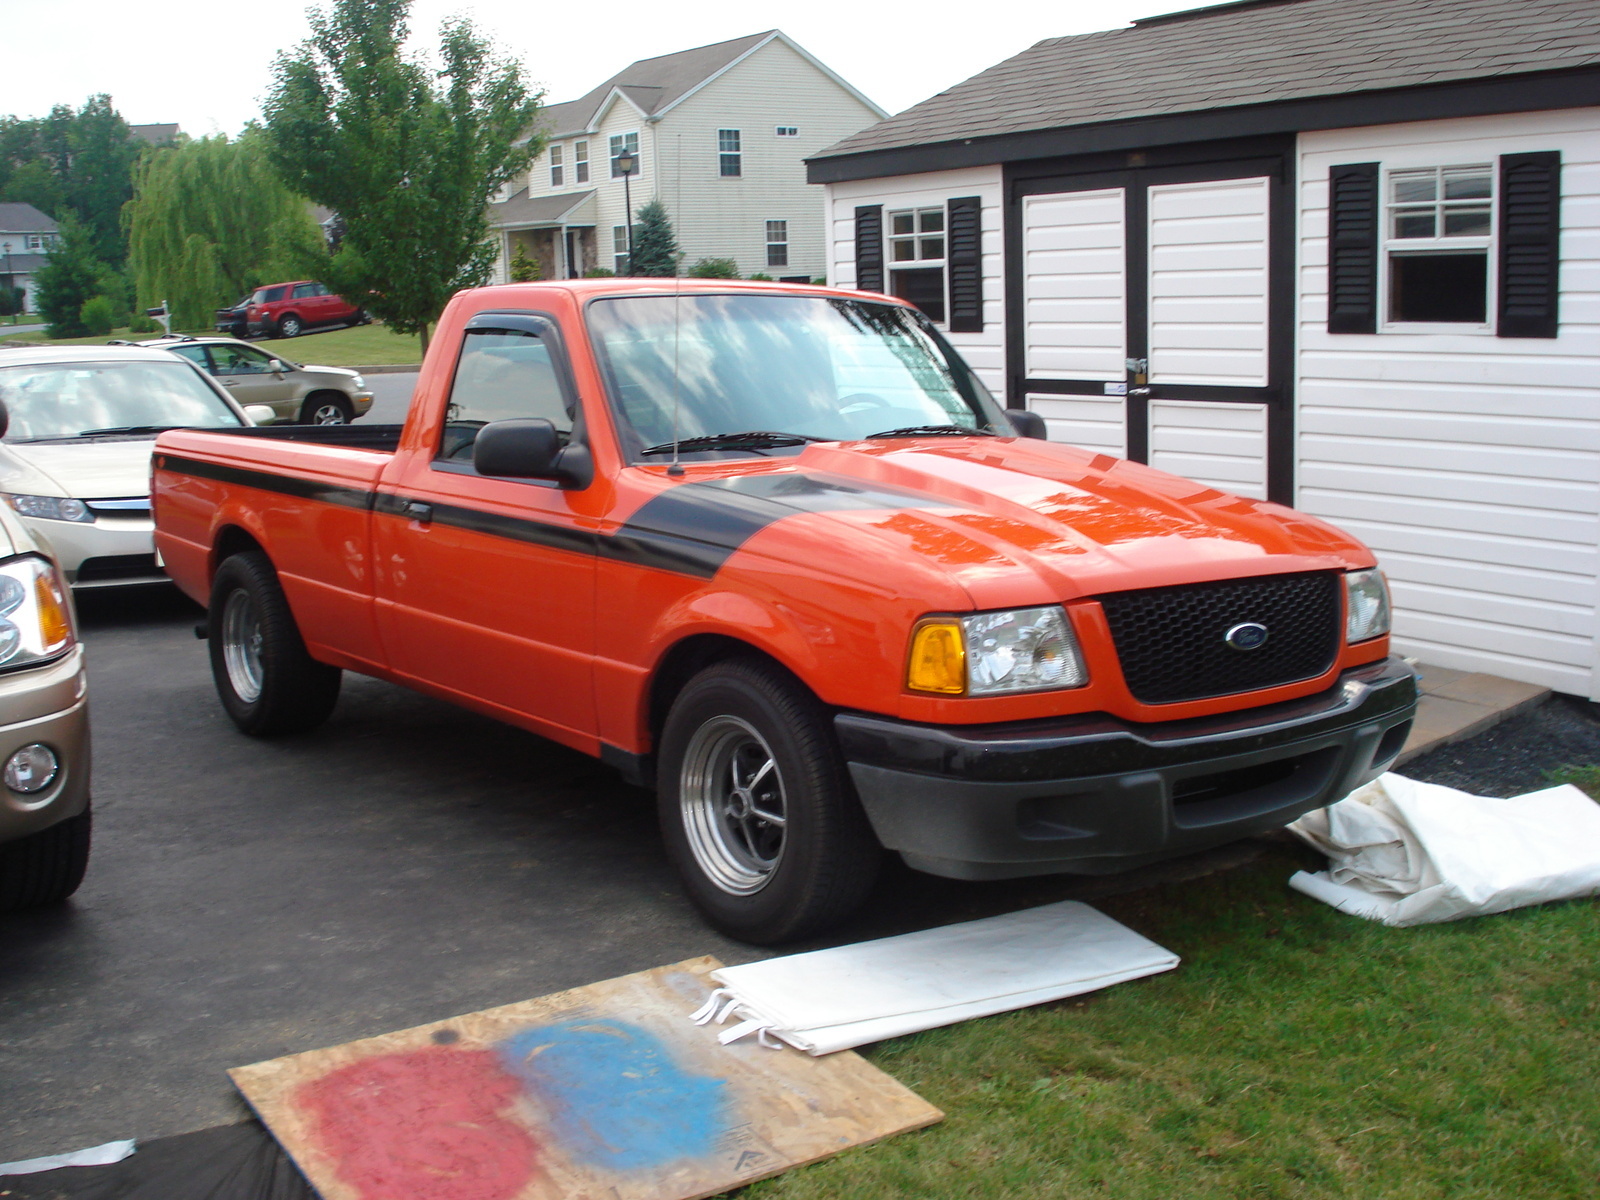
206	65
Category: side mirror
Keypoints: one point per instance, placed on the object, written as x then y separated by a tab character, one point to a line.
5	419
278	365
520	448
1028	424
260	414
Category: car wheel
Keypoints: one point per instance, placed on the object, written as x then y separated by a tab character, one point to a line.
44	867
267	682
360	318
757	808
326	408
289	326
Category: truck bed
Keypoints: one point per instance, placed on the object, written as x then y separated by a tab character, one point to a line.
384	438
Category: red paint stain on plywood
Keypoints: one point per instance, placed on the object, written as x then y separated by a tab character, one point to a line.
423	1125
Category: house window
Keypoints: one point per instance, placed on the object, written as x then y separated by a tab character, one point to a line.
556	171
730	160
35	242
777	243
916	258
1438	229
630	143
787	131
619	249
580	162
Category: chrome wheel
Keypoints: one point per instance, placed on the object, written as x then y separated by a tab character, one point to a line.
241	646
328	414
733	805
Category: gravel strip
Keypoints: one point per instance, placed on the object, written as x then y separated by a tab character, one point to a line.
1516	756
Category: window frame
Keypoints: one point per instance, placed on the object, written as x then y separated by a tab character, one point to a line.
619	249
558	170
1391	246
580	161
630	142
916	237
781	242
730	157
786	131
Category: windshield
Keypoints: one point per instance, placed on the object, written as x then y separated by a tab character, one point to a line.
819	367
67	400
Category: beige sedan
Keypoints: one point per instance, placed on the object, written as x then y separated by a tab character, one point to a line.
308	395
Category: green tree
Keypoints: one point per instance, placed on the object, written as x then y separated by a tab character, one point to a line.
655	247
209	220
523	268
97	317
714	268
70	275
74	161
407	154
11	299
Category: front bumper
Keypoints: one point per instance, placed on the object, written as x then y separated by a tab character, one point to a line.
1095	795
46	704
110	551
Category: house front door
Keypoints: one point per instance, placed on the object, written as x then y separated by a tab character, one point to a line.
1150	316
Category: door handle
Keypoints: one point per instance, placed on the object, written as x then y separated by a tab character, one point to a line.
419	511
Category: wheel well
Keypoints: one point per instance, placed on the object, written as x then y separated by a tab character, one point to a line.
686	660
333	393
231	540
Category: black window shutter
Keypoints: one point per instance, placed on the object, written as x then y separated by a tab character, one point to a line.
1530	232
869	247
964	229
1353	248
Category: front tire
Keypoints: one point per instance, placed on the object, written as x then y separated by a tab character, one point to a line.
757	808
267	682
326	408
290	326
44	867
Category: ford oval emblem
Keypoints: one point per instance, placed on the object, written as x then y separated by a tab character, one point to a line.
1247	636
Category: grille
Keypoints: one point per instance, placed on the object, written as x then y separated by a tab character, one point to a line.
1170	640
117	566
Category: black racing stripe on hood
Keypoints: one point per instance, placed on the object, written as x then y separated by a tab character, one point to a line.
695	527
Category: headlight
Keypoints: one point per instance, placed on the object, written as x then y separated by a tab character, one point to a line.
1366	596
358	382
34	625
993	654
52	508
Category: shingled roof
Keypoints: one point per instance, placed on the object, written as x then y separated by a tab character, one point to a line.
1251	52
24	218
654	84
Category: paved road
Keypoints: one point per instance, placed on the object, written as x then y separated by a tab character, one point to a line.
391	395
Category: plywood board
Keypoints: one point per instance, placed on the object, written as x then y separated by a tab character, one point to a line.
604	1092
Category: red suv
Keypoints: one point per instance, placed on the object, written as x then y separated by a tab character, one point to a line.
289	309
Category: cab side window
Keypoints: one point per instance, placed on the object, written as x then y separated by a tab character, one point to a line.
502	374
239	360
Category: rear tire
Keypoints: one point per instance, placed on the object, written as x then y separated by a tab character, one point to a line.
757	808
326	408
266	681
44	867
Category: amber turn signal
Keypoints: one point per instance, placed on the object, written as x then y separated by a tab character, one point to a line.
938	659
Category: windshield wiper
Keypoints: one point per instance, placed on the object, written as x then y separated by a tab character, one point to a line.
752	439
933	431
126	429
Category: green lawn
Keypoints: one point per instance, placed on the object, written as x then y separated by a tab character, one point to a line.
364	346
1297	1052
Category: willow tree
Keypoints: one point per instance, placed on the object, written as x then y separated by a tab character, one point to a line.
209	220
406	151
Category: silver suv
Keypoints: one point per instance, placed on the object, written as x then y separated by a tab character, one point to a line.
308	395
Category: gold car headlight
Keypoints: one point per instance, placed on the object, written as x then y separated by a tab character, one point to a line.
35	618
994	654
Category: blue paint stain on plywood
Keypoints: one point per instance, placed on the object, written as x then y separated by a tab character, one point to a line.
616	1096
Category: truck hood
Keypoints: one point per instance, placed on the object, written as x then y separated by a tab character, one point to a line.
89	470
1018	521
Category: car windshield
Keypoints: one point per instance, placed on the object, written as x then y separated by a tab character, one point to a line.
816	367
67	400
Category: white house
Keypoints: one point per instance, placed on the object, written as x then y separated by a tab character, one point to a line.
1344	254
721	134
26	236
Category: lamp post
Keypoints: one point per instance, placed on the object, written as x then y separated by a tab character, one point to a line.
626	162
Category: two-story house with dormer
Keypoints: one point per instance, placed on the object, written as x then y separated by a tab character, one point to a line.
720	135
26	237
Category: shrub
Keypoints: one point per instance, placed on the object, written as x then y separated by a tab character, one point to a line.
599	273
139	323
11	301
655	247
96	316
714	268
760	277
523	268
821	281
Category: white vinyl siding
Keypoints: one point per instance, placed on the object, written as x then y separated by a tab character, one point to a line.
1074	263
1208	282
1221	444
984	351
1093	422
1469	463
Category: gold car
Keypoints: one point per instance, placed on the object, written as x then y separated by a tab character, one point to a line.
296	393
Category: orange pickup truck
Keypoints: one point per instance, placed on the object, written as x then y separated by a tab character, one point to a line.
775	551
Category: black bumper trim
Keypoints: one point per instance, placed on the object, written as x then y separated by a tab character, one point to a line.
1095	794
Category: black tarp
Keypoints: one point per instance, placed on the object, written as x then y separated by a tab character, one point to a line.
228	1162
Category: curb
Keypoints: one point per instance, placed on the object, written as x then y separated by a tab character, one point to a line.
391	369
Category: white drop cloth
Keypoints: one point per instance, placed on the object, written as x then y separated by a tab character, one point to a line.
830	1000
1410	853
94	1156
